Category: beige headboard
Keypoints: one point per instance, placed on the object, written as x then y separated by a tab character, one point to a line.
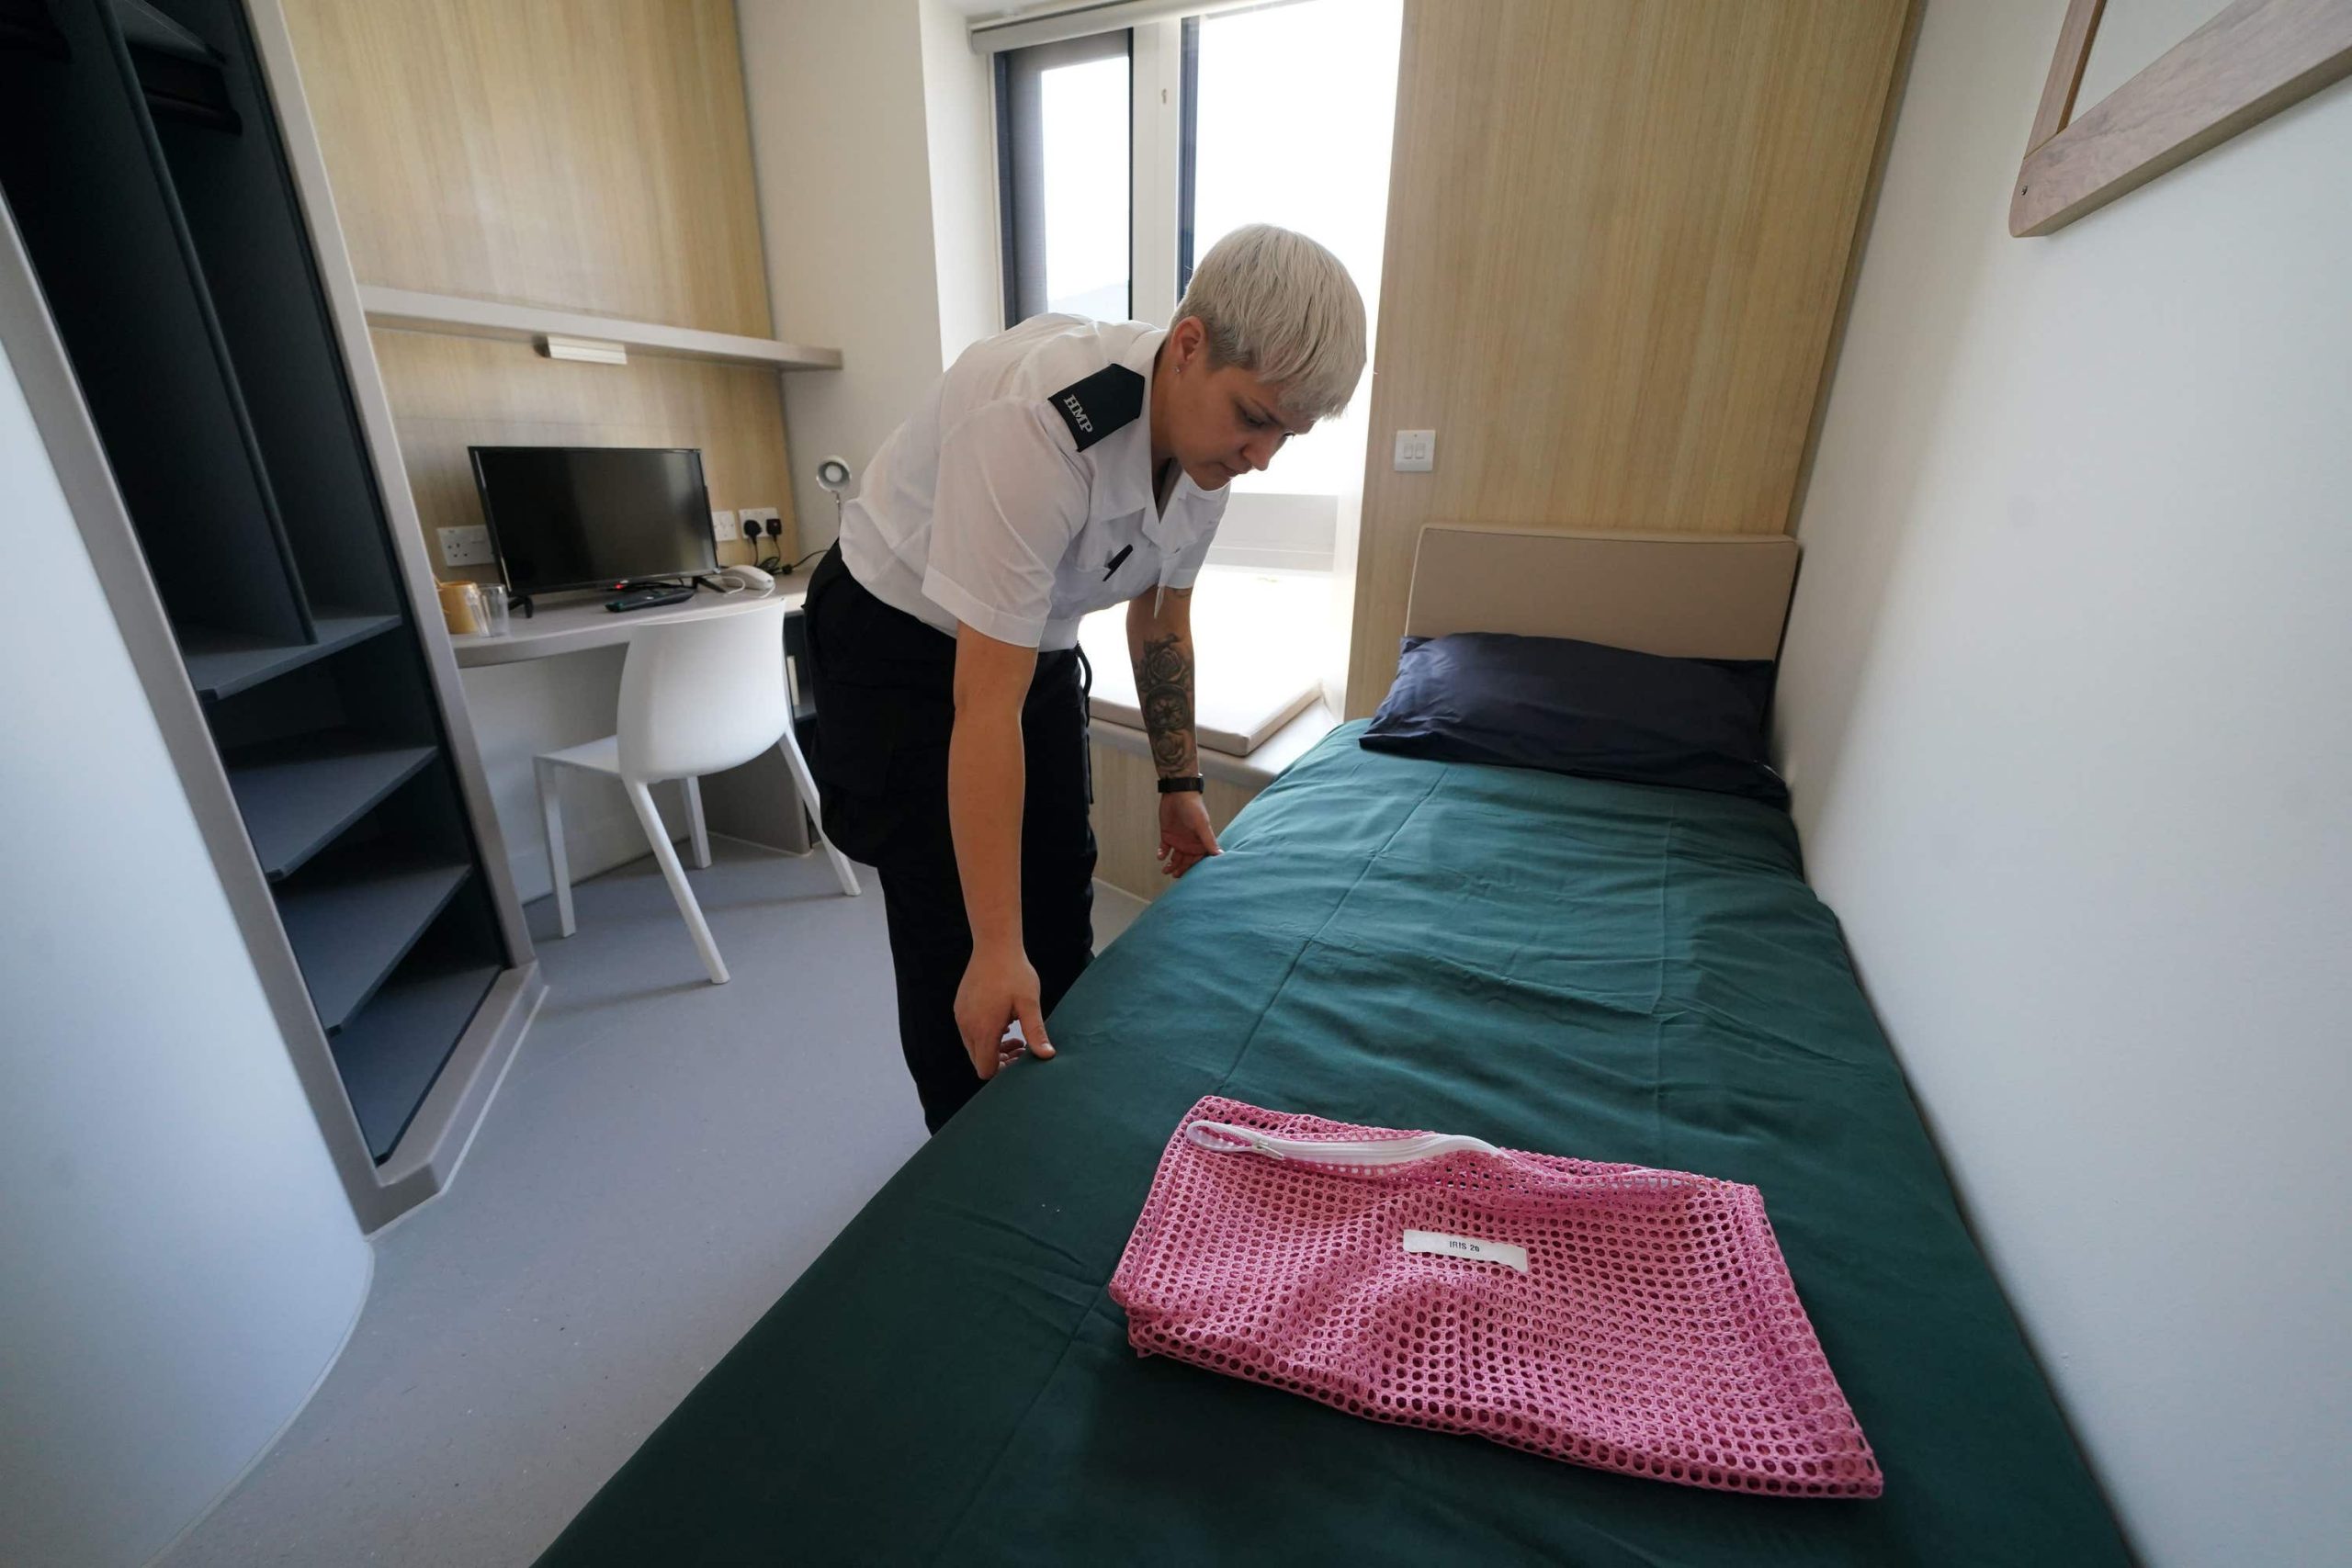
1683	595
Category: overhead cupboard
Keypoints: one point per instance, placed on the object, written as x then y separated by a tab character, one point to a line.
178	301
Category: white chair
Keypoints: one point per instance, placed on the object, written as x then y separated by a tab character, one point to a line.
698	696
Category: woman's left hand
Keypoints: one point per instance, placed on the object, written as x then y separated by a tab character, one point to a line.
1185	837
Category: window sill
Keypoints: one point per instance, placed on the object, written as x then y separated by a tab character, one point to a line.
1259	640
1254	771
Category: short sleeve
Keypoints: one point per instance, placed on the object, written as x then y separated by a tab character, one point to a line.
1011	497
1184	565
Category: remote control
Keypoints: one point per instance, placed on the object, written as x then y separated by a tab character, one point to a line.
647	598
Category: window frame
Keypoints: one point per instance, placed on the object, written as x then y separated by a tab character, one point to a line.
1020	156
1188	144
1289	530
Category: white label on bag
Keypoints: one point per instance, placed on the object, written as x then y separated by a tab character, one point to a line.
1468	1246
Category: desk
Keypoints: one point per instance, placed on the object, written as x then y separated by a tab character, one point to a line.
554	681
585	624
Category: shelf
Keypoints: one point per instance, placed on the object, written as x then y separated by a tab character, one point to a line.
390	1053
406	307
222	664
583	624
353	916
297	795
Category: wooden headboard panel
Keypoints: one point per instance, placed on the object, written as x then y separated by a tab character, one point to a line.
1683	595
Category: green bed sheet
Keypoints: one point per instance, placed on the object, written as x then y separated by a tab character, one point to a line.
1610	971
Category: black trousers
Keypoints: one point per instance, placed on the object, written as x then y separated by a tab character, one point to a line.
884	684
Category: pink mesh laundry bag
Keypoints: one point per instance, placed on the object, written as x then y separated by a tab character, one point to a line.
1611	1315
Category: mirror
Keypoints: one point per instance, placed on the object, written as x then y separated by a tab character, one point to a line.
2149	103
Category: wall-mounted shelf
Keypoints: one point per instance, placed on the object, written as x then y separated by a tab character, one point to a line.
222	664
392	1052
299	794
416	311
354	916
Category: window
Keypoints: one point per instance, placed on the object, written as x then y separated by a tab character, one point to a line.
1122	158
1218	119
1064	177
1269	142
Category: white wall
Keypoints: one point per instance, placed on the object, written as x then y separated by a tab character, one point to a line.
2067	705
178	1263
2132	36
843	146
959	109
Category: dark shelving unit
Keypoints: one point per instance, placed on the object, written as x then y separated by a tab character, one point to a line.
143	165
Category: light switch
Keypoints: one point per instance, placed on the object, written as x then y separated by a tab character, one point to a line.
723	526
1416	451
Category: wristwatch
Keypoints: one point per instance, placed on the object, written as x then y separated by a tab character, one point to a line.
1188	784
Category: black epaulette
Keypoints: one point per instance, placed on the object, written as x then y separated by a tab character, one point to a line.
1109	400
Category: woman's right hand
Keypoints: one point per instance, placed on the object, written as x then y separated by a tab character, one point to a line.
999	989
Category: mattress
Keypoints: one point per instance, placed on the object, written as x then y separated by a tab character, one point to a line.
1611	971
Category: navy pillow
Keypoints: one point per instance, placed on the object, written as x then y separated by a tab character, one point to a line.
1583	708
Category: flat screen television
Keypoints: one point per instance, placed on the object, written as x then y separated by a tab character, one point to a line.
594	517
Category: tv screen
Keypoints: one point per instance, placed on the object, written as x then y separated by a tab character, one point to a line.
594	517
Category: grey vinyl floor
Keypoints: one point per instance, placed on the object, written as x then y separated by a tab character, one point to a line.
662	1160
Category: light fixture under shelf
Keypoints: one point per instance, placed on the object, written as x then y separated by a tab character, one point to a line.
586	350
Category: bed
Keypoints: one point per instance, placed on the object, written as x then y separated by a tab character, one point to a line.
1615	971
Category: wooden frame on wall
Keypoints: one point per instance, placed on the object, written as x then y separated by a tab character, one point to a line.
2251	61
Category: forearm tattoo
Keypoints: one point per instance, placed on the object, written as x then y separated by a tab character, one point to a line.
1164	692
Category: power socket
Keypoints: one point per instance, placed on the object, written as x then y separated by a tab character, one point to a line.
466	546
723	526
762	519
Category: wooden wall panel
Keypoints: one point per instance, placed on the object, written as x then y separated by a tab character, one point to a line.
1126	818
591	154
449	393
1617	231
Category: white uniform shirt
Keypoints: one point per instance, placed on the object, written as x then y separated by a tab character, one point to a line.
1019	498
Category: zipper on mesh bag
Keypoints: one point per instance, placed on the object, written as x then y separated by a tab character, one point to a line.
1232	1138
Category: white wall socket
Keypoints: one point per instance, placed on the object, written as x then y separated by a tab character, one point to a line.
723	527
1416	451
761	514
465	547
